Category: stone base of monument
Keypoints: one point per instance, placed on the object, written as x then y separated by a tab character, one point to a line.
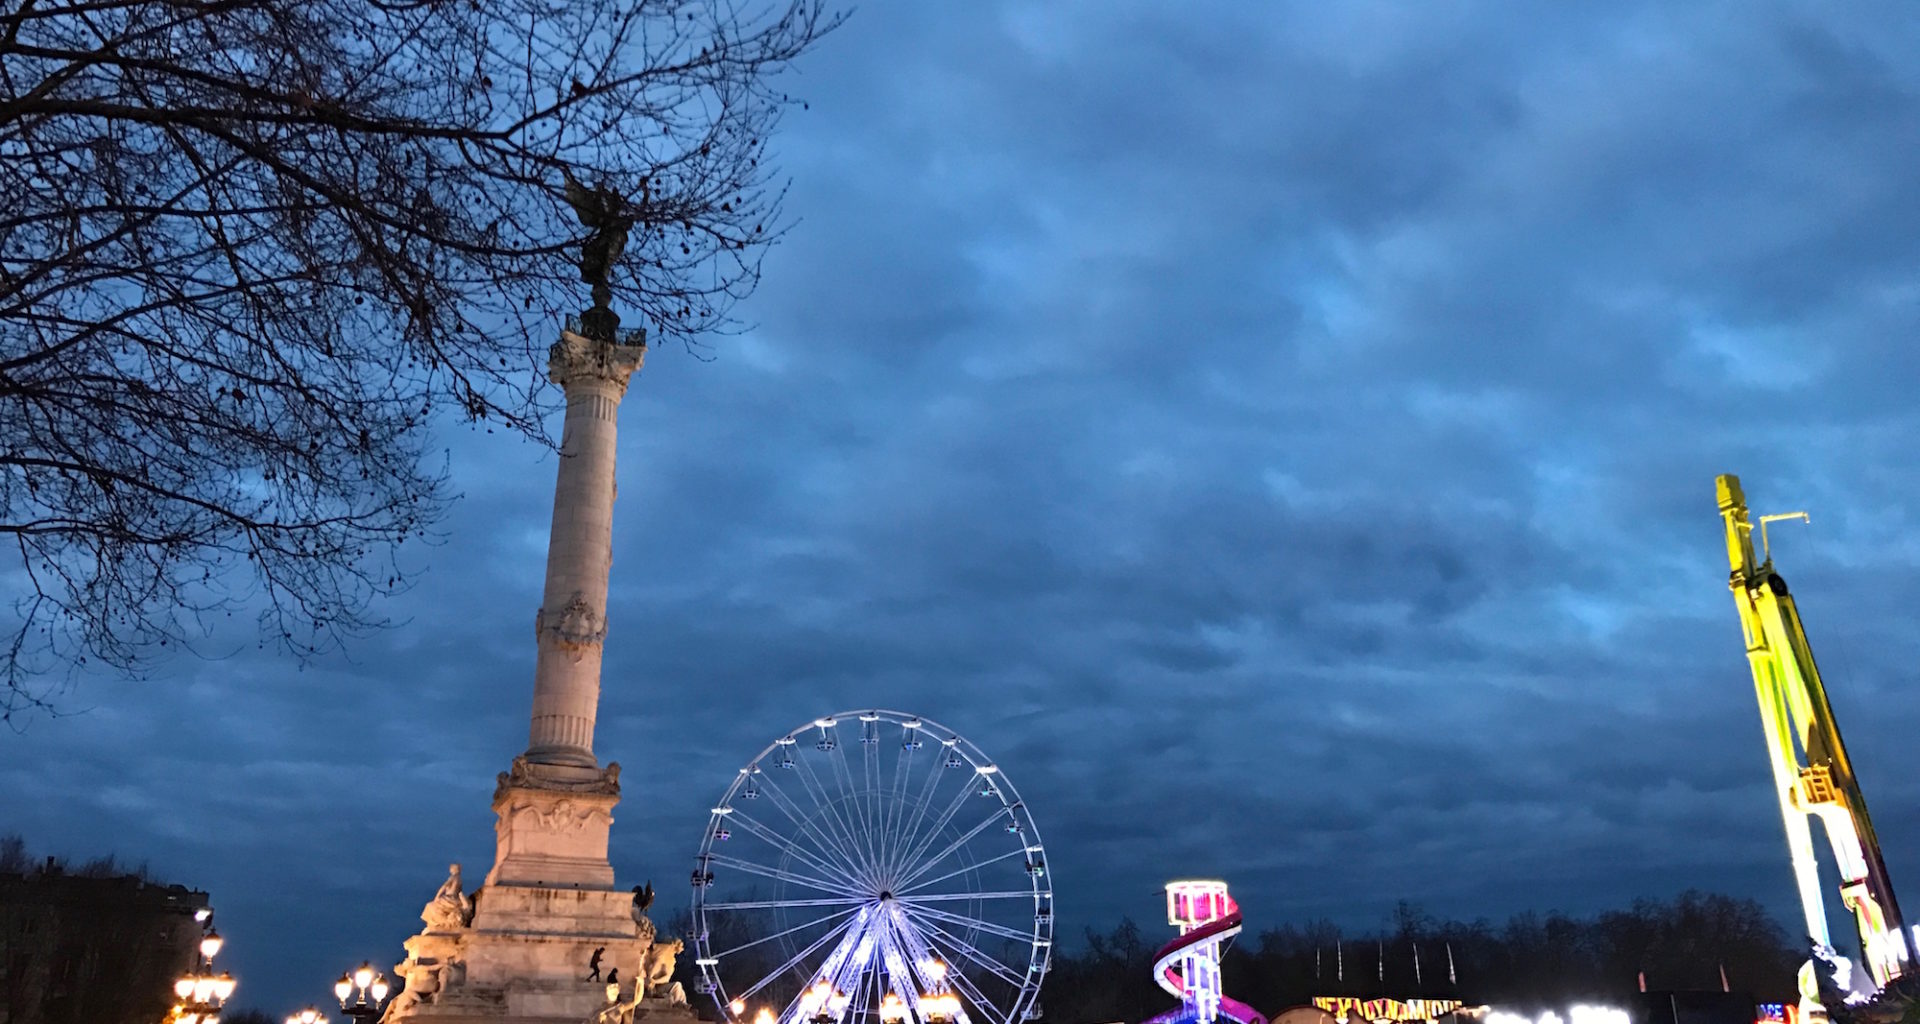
535	944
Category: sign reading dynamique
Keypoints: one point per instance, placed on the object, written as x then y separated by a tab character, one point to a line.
1346	1008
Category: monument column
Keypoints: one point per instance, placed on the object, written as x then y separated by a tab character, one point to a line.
556	803
530	946
571	625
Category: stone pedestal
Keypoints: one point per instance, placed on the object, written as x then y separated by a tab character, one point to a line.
526	954
525	957
552	824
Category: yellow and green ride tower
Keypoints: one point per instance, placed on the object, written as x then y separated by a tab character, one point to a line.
1812	774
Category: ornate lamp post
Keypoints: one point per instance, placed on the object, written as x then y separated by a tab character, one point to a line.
362	994
200	991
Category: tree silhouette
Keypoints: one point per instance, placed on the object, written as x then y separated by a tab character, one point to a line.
250	248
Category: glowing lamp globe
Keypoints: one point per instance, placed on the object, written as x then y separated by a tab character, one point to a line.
184	987
210	946
379	988
223	986
363	975
342	989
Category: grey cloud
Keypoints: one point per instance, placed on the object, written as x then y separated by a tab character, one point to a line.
1281	436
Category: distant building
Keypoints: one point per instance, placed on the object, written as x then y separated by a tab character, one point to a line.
83	949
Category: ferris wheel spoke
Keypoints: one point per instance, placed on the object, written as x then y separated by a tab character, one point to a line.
846	901
869	768
832	829
877	798
920	806
954	847
838	931
850	914
828	846
954	897
902	770
843	774
970	923
928	835
833	813
985	962
777	874
812	858
822	801
754	826
906	893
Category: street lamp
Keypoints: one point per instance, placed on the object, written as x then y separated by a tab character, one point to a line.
201	992
362	993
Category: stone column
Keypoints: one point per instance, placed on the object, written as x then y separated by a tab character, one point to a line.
571	625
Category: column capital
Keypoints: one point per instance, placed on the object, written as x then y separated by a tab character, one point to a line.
576	357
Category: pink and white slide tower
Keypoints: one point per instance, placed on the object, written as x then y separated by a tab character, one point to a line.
1189	966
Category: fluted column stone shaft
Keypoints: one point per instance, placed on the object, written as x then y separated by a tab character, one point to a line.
571	626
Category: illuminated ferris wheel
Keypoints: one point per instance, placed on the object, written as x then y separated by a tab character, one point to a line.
872	867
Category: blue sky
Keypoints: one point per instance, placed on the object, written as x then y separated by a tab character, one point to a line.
1281	435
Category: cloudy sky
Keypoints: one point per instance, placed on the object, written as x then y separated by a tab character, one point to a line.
1281	435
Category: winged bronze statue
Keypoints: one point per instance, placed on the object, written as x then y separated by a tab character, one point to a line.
609	217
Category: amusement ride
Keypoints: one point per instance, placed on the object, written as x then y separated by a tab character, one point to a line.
872	867
1812	774
1189	966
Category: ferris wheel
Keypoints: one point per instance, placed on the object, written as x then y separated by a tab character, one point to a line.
872	867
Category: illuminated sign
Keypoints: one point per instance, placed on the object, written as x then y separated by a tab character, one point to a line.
1346	1007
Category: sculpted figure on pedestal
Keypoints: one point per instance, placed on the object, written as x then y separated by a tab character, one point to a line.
643	925
451	909
616	1011
657	970
423	983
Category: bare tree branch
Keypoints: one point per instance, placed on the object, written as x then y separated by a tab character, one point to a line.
251	249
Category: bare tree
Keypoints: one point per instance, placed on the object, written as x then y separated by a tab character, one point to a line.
250	248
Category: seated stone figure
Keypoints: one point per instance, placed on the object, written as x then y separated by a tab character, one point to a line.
451	908
657	969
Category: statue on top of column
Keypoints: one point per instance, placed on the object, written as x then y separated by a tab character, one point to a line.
608	215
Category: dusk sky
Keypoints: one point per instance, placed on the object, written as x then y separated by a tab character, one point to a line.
1281	435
